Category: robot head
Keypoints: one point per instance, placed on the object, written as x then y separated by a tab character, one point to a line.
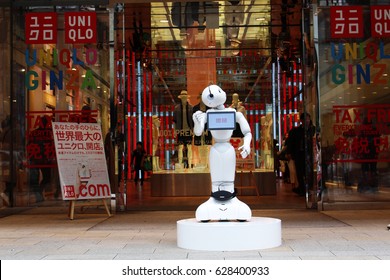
213	96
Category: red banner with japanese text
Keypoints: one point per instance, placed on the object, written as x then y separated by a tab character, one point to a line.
81	161
362	133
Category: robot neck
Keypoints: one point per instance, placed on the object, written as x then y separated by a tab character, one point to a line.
220	107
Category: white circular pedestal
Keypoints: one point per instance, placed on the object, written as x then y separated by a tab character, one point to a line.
258	233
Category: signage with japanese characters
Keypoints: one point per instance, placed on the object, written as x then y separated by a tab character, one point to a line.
81	161
40	149
80	28
346	22
359	61
362	133
41	28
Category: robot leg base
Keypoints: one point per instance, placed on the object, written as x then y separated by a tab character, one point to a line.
233	209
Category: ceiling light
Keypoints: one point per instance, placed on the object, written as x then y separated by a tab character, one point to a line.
363	97
164	20
260	18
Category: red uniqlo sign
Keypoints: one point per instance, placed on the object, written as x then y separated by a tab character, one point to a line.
80	27
380	21
346	22
41	28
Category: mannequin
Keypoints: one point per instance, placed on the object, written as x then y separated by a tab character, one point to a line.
202	143
155	143
266	140
223	204
237	104
183	129
266	131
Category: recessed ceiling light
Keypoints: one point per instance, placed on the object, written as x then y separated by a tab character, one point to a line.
363	97
358	88
354	101
260	18
164	20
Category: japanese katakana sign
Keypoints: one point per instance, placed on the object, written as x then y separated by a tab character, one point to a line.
79	28
346	22
41	28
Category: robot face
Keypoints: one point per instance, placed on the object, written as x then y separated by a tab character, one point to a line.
213	96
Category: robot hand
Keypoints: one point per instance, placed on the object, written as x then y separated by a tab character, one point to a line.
199	118
246	150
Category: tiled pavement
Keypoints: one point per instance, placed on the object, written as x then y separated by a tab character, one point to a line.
47	233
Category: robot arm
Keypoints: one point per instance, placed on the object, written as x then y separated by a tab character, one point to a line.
200	120
246	130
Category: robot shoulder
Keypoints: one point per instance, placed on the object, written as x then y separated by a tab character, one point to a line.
239	116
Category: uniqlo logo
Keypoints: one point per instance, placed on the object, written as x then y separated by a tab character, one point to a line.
80	27
69	191
380	21
346	22
41	28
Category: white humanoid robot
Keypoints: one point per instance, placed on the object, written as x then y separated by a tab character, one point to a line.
223	204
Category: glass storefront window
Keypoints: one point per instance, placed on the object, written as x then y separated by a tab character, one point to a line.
354	63
60	67
147	62
188	53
